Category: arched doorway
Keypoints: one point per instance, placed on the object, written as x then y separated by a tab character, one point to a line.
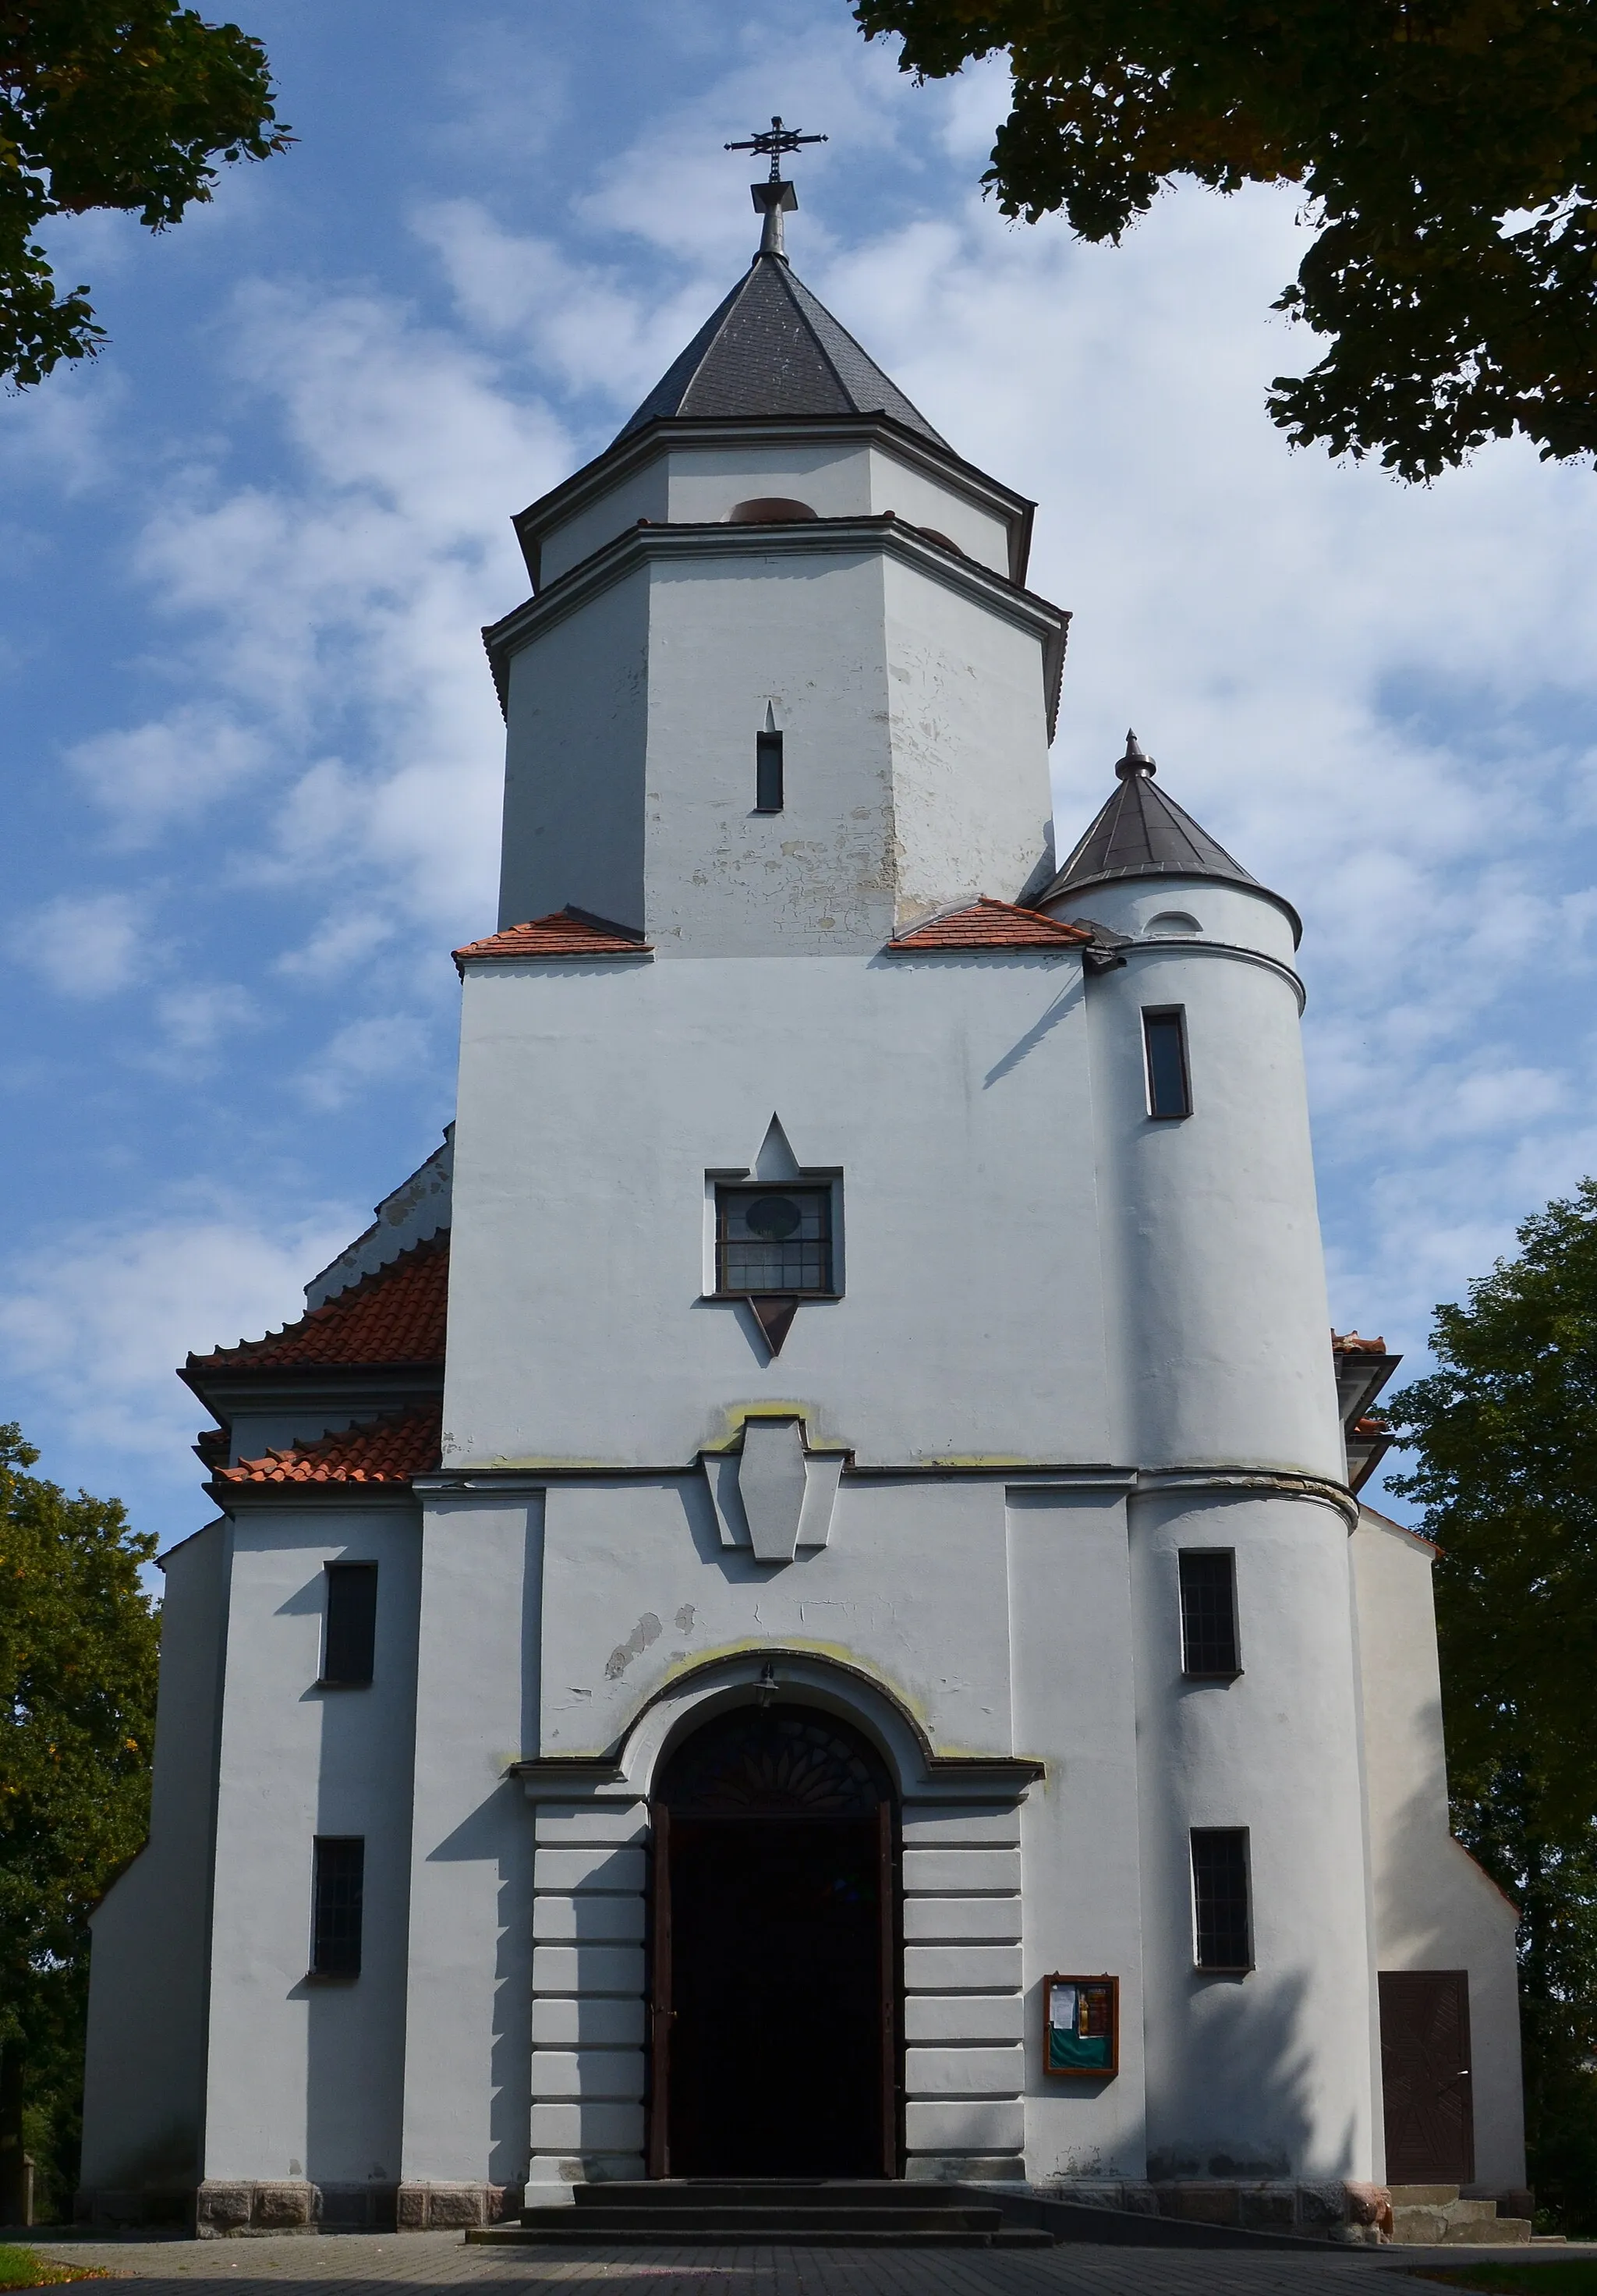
773	2024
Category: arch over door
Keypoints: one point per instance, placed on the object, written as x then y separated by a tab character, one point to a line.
774	1994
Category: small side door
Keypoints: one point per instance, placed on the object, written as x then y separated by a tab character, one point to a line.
1427	2076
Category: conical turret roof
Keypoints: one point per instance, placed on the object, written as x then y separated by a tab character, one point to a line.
772	349
1141	832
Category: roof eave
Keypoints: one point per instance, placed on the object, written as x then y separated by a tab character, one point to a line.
882	530
230	1389
1062	890
561	502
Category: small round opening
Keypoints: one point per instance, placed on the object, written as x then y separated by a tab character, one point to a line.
772	1217
1174	921
769	510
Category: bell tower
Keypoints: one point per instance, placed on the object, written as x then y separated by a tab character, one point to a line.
780	686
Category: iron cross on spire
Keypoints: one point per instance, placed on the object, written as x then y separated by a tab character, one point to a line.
776	139
773	198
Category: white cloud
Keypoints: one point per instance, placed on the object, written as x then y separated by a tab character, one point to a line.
338	943
367	1052
197	1017
94	1319
167	770
87	945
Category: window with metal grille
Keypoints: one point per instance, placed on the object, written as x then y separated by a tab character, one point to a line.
1222	1928
772	1240
349	1642
336	1888
1209	1611
1165	1048
768	772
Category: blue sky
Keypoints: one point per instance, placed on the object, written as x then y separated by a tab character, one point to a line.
251	750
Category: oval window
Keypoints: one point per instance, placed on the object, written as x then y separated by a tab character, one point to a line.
1174	921
947	540
769	510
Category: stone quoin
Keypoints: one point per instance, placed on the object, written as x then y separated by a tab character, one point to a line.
830	1502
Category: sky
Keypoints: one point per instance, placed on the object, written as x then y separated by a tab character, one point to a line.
252	753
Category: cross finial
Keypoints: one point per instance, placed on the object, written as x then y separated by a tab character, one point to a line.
776	139
775	197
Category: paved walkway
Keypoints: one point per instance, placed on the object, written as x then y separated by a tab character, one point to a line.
371	2262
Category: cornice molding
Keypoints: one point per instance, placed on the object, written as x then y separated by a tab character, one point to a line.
886	535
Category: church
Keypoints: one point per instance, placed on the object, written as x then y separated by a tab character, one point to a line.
797	1606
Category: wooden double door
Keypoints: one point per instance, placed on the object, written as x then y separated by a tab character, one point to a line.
774	1952
1427	2076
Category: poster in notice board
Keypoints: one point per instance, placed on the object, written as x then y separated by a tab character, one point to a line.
1082	2026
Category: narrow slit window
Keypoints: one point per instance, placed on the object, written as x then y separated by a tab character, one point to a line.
1222	1922
1165	1046
1209	1611
767	772
336	1893
349	1644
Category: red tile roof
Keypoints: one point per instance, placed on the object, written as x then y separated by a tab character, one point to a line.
1350	1343
567	933
389	1450
394	1317
990	924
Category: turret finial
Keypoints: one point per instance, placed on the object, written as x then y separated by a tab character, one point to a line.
1136	760
773	199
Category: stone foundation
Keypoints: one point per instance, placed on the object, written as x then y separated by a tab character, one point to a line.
223	2211
1355	2213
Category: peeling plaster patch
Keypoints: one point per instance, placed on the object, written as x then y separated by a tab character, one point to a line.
685	1619
646	1631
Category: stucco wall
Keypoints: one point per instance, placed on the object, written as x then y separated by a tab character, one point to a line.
1074	1691
1434	1907
592	1105
574	763
144	2077
304	2078
1214	1271
1269	2073
468	1999
689	485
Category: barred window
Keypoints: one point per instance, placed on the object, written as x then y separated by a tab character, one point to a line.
1209	1611
772	1240
349	1642
337	1885
1222	1925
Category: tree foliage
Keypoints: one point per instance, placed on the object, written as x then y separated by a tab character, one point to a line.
1505	1431
110	104
1447	152
78	1642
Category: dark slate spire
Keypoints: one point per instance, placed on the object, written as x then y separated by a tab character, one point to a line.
1140	833
772	348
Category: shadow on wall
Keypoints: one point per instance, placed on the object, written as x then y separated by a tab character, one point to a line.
1249	2102
499	1831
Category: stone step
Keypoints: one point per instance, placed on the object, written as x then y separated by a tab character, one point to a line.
671	2222
1496	2232
671	2229
1422	2196
767	2192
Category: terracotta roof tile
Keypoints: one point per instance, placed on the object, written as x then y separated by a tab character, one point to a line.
1349	1344
988	923
389	1450
567	933
395	1316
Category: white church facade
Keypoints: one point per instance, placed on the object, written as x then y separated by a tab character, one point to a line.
797	1605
